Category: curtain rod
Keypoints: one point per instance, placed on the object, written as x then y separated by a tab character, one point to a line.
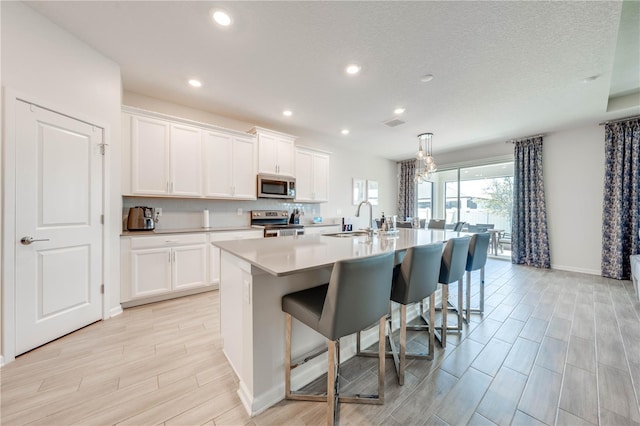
619	120
526	137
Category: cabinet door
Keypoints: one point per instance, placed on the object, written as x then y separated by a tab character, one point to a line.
218	155
149	156
285	149
304	175
267	160
244	168
150	272
186	161
321	177
189	266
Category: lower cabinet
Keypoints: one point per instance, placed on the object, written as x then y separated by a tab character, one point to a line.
161	267
325	229
214	262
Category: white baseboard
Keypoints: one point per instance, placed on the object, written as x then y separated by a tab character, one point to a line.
115	311
574	269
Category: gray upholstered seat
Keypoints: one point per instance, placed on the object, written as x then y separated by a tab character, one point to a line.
452	268
436	224
476	259
415	279
458	226
356	296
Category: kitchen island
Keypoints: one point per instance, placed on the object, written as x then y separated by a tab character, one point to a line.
255	274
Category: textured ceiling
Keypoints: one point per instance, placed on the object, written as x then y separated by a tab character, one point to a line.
502	69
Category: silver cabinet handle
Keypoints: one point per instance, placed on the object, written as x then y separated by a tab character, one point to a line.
25	241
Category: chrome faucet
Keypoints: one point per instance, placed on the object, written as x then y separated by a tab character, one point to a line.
369	228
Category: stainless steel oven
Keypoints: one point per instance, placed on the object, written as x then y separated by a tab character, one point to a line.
285	231
275	223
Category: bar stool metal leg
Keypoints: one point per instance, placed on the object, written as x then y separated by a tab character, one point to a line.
468	308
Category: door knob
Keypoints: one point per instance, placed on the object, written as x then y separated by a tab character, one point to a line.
28	240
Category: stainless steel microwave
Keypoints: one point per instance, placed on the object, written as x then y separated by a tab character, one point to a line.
274	186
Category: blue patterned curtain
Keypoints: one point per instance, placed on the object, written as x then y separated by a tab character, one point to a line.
621	207
529	239
406	189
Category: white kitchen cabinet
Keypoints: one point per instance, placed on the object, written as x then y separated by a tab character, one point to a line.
214	262
312	175
161	267
166	158
230	165
325	229
186	161
276	152
149	156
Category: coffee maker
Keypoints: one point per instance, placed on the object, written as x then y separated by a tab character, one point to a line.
141	218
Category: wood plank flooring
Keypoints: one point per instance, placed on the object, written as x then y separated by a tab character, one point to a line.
553	347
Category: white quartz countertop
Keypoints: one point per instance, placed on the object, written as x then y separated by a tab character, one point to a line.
183	231
288	255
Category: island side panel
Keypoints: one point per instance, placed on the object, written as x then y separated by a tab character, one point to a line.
235	277
269	336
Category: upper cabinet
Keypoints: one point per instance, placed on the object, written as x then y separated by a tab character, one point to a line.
186	161
312	175
276	152
230	165
166	158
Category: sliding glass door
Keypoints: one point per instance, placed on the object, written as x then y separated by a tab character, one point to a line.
480	196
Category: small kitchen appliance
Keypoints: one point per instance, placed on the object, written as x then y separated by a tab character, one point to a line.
141	218
274	186
275	223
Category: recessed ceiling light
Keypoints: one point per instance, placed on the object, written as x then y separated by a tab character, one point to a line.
398	111
287	113
345	131
591	78
221	17
427	77
353	69
195	83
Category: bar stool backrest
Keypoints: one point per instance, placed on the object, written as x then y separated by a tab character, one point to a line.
454	260
478	248
358	295
418	274
436	224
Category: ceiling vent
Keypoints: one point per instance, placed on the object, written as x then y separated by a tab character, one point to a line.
394	122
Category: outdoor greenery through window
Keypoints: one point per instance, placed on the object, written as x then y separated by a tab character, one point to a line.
480	196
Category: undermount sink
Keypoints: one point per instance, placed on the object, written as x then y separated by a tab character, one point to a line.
349	234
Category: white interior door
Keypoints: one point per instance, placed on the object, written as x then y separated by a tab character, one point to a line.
58	228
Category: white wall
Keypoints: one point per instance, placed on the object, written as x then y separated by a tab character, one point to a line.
345	165
47	64
574	184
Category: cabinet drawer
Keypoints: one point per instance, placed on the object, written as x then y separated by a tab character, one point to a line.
168	240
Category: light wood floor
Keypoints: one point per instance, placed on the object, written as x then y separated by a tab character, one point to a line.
552	348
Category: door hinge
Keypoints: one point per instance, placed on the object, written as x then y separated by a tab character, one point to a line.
101	288
103	147
102	219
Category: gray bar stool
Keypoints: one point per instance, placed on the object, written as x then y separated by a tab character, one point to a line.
356	296
414	280
452	268
476	259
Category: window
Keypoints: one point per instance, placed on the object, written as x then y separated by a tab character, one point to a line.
478	195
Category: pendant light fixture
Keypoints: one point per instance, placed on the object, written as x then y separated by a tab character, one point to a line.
425	164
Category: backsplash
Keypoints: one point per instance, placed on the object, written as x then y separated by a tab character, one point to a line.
179	213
